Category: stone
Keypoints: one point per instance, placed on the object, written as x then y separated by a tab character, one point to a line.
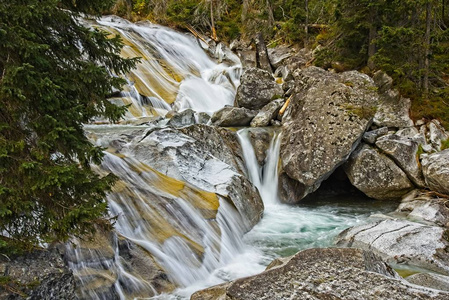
382	81
202	118
233	116
279	54
260	140
404	152
425	207
40	274
182	119
401	242
328	273
323	124
267	113
436	171
430	280
376	175
370	137
257	88
437	134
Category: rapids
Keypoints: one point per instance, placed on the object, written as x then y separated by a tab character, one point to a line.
194	235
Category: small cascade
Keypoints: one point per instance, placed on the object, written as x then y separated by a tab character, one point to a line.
189	233
175	72
264	178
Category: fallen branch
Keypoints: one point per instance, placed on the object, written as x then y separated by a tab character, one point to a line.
284	107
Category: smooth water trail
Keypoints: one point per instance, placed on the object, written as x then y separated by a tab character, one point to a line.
175	71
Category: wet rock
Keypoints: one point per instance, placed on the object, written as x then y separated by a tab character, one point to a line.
322	274
437	134
436	171
233	116
324	123
434	281
376	175
401	242
279	54
404	152
267	113
182	119
393	109
263	62
203	162
370	137
260	140
203	118
425	207
257	89
40	274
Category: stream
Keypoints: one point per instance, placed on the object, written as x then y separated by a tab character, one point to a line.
159	213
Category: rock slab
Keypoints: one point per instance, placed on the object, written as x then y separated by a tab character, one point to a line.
436	171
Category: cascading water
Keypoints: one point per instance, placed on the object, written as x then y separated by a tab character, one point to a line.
174	73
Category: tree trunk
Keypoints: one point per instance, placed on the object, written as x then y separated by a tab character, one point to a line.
306	26
427	49
270	15
371	36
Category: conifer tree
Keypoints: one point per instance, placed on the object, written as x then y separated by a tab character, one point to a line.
55	75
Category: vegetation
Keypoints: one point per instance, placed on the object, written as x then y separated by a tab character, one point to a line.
55	75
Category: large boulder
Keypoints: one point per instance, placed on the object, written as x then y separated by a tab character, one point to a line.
263	62
425	207
401	242
436	171
393	109
206	163
279	54
40	274
260	140
323	124
233	116
404	152
376	175
267	113
322	274
257	88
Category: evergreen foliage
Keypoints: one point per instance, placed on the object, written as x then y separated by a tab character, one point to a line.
55	75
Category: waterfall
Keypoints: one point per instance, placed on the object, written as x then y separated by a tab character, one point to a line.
175	72
265	178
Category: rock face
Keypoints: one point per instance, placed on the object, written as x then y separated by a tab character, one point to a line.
257	88
393	110
436	171
233	116
401	242
41	274
376	175
267	113
322	274
206	158
434	281
404	152
323	124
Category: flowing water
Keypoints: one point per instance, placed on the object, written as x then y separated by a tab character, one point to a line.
194	235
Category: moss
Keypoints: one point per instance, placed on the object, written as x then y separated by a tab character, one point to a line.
363	112
445	144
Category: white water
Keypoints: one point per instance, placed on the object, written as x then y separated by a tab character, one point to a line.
175	72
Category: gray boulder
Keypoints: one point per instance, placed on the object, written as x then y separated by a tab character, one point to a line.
437	134
260	140
393	109
425	207
434	281
331	273
404	152
401	242
436	171
267	113
323	124
279	54
257	88
233	116
376	175
182	119
370	137
206	163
